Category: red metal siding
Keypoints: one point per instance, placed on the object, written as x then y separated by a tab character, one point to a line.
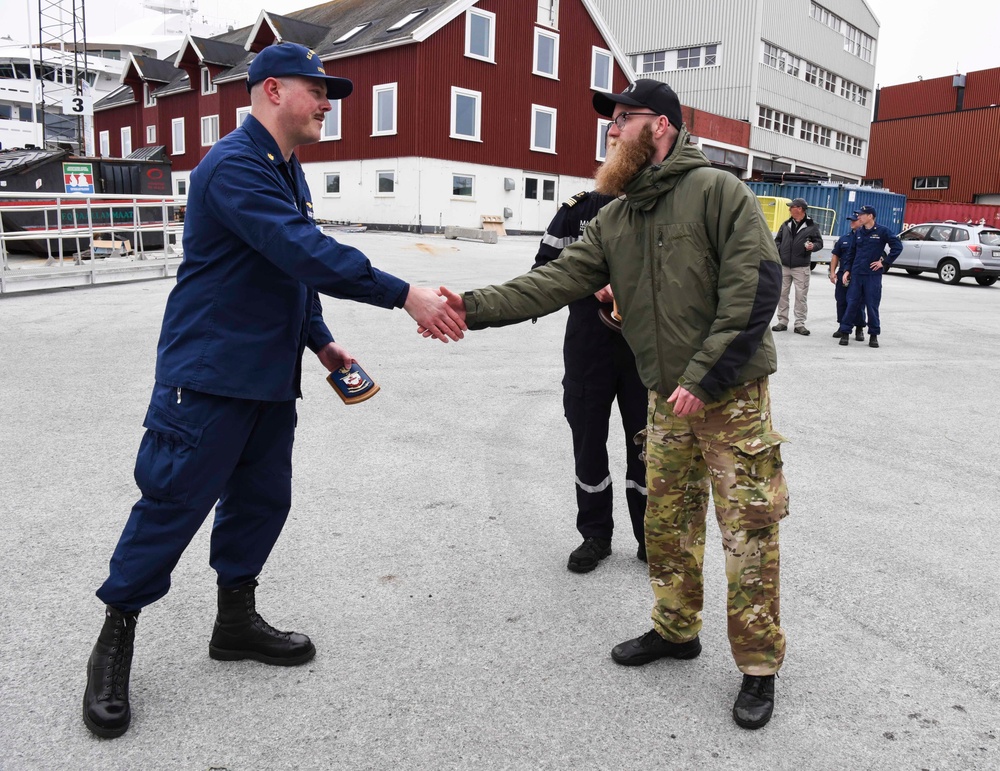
961	145
509	89
927	211
925	97
113	121
231	97
393	65
708	125
982	88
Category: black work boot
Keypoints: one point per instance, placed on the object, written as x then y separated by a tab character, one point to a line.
755	702
650	647
859	334
106	710
873	341
588	554
240	633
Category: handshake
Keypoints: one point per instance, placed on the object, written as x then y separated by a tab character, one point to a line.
439	313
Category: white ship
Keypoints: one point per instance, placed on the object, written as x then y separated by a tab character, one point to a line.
23	68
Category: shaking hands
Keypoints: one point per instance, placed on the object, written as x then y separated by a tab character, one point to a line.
439	313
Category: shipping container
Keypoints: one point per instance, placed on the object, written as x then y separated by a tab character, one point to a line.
939	211
843	199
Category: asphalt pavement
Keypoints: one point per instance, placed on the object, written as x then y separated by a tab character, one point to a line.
426	552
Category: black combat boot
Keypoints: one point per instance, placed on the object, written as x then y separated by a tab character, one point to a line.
755	702
106	709
650	647
240	633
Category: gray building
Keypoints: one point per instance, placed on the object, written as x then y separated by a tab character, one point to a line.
800	72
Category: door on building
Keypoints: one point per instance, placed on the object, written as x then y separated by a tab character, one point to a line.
540	201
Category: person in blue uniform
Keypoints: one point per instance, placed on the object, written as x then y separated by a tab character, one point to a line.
865	263
600	368
838	253
221	418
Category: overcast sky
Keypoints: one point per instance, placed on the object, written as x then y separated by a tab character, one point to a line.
917	38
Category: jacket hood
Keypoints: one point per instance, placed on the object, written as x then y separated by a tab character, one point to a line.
653	181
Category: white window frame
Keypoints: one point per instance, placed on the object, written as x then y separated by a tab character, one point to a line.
177	148
378	176
478	96
554	37
471	196
326	176
376	90
207	84
241	115
211	122
492	17
126	138
656	63
151	135
595	54
548	13
148	100
601	153
104	142
180	186
332	123
537	109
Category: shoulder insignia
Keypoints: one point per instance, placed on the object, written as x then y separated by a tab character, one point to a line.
575	199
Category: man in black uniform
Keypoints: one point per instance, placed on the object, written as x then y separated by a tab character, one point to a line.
600	367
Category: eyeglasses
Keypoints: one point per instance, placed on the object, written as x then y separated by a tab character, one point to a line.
620	120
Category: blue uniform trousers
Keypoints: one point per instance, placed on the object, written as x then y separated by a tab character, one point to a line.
200	451
840	294
595	378
863	294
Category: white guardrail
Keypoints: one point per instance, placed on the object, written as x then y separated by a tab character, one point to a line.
52	240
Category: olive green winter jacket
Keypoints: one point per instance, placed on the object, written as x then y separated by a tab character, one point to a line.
693	268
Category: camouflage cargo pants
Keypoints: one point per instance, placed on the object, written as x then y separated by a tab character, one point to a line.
730	446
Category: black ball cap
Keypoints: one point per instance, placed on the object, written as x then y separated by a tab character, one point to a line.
652	94
287	59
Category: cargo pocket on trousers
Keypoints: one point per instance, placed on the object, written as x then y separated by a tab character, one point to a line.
760	491
164	464
640	439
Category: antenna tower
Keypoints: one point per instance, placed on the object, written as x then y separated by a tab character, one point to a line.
62	54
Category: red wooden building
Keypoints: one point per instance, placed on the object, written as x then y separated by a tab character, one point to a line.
939	139
460	109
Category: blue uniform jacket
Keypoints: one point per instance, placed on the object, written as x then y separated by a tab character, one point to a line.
868	246
246	305
840	250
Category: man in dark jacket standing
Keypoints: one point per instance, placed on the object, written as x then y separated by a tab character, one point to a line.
798	239
864	265
600	369
696	278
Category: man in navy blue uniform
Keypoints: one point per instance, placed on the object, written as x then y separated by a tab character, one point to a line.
600	367
838	253
865	263
221	417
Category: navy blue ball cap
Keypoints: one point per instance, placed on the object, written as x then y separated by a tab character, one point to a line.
290	59
852	217
652	94
867	210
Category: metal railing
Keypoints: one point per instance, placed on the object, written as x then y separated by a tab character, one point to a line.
87	239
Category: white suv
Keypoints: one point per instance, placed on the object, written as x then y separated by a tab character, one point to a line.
951	250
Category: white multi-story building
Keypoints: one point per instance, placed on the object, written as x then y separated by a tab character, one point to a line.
800	72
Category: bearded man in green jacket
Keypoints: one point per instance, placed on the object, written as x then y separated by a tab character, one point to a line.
697	278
